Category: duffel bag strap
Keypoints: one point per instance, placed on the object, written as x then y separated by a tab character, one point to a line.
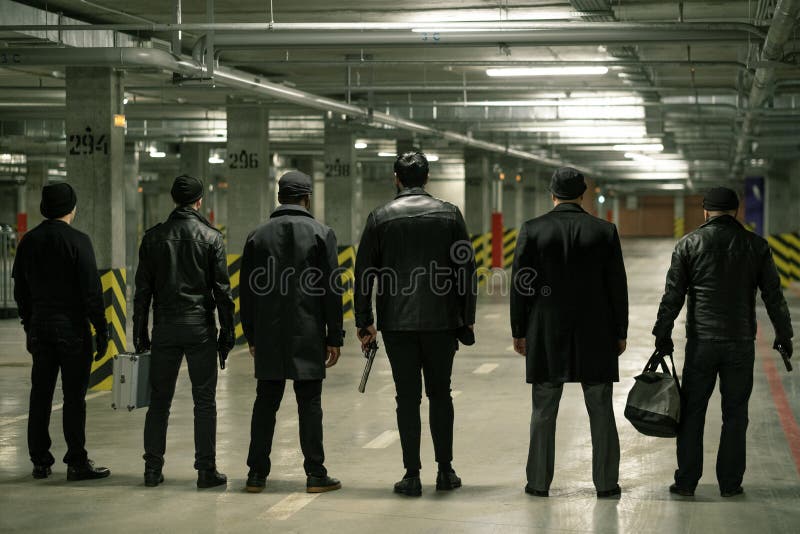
656	360
674	373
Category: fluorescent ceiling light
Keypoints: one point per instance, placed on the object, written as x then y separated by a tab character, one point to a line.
638	157
491	15
432	157
387	154
547	71
215	160
157	154
360	145
654	147
672	187
601	199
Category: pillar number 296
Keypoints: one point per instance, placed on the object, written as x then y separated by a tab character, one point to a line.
243	160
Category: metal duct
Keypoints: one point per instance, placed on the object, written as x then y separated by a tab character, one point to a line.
151	58
779	32
538	34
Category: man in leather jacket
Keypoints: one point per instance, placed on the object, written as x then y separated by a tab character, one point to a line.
417	250
183	271
719	266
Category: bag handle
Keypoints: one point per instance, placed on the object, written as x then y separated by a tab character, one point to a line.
656	360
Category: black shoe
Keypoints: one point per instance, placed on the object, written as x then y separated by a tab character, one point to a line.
447	481
536	493
732	493
411	487
210	478
86	471
321	484
616	491
255	482
683	492
41	471
153	477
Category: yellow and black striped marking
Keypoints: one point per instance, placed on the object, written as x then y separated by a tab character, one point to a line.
234	271
347	262
114	287
679	227
786	253
509	244
482	245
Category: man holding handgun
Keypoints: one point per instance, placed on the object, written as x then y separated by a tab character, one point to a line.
719	266
183	271
291	310
417	249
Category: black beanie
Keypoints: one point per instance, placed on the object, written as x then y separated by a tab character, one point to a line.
567	183
720	199
57	200
186	190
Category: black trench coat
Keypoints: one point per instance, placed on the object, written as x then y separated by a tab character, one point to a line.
289	309
569	297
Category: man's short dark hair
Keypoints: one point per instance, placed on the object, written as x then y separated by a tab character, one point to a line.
291	199
411	169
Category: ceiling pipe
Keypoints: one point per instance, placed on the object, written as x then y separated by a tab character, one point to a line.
153	58
375	27
569	33
783	21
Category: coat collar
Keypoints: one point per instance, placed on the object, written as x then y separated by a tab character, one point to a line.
412	191
569	206
187	212
722	219
290	209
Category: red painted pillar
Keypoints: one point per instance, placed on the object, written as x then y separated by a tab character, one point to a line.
22	225
497	240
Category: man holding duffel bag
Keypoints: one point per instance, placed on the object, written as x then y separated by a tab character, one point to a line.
719	266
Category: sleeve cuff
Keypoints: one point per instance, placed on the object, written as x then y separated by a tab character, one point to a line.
335	339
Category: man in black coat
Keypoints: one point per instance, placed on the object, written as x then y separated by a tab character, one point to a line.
417	249
291	310
58	292
569	318
720	266
183	271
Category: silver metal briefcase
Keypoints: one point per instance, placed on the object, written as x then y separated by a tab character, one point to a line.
131	387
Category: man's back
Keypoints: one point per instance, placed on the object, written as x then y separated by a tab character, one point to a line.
180	264
719	267
419	250
56	265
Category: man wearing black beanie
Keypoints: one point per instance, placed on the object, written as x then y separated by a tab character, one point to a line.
58	292
183	272
719	266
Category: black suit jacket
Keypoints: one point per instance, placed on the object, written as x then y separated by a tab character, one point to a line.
569	296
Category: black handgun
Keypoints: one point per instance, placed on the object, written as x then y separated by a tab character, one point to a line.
369	354
785	355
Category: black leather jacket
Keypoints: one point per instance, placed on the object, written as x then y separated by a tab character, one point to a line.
418	250
719	266
184	271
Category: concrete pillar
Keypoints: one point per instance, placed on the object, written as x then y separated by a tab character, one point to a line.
679	216
616	206
251	190
544	197
35	180
95	152
343	184
519	202
477	201
133	206
194	160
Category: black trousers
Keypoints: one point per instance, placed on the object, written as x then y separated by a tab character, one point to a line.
170	343
733	362
603	426
269	394
429	353
59	347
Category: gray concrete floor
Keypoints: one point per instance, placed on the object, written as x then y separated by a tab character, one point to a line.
492	411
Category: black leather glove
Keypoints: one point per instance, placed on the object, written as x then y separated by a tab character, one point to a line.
785	344
101	344
141	342
225	343
664	345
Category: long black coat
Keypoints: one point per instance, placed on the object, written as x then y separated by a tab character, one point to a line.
290	302
569	297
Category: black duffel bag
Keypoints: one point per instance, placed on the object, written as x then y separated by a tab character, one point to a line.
654	402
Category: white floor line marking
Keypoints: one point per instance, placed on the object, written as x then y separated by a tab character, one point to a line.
510	348
491	316
384	440
485	369
289	505
384	372
455	393
56	407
